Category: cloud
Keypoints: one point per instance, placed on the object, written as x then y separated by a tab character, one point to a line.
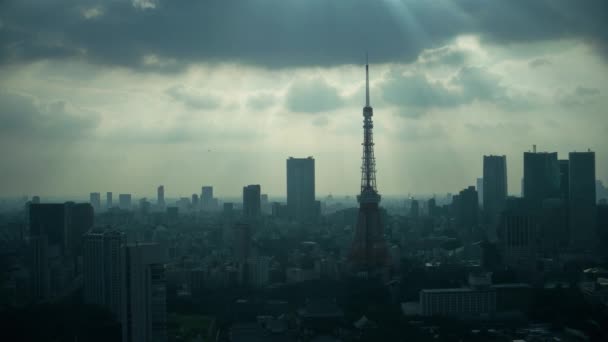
312	96
578	97
446	55
417	93
193	99
25	118
539	62
261	101
281	34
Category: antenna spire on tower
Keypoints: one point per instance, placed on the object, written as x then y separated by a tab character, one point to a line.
366	81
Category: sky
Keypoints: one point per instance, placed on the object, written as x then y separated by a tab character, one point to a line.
117	95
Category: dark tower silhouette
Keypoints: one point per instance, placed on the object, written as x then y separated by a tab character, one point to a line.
368	252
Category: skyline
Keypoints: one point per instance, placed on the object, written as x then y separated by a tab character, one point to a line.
77	117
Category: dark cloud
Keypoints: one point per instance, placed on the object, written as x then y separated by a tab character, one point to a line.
25	118
539	62
312	96
193	99
279	33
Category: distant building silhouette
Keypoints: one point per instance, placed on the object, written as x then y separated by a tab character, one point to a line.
38	260
541	177
124	201
109	203
494	187
251	201
95	200
301	188
79	219
48	219
518	236
467	212
369	253
160	197
208	202
242	241
582	200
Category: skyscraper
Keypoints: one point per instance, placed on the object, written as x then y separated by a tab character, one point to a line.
369	253
467	212
582	200
48	219
160	197
207	200
108	200
541	177
301	187
95	200
144	293
79	218
124	201
251	201
102	273
494	187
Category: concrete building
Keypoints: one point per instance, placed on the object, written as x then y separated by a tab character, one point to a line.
109	203
124	201
518	236
541	177
102	273
160	197
95	200
582	203
252	201
301	188
494	190
144	316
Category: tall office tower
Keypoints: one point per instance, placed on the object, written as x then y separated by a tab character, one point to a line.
251	201
301	187
242	241
480	191
467	212
369	253
207	198
564	179
102	276
79	219
432	207
144	293
195	202
95	200
494	187
582	200
414	209
541	177
48	219
517	236
124	201
160	197
109	200
39	266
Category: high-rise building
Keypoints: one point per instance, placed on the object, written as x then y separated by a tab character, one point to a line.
251	201
207	200
144	293
414	209
467	212
39	266
242	241
160	197
48	219
301	187
124	201
541	177
108	200
480	191
494	187
79	218
102	274
517	235
564	179
95	200
369	253
195	202
582	200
